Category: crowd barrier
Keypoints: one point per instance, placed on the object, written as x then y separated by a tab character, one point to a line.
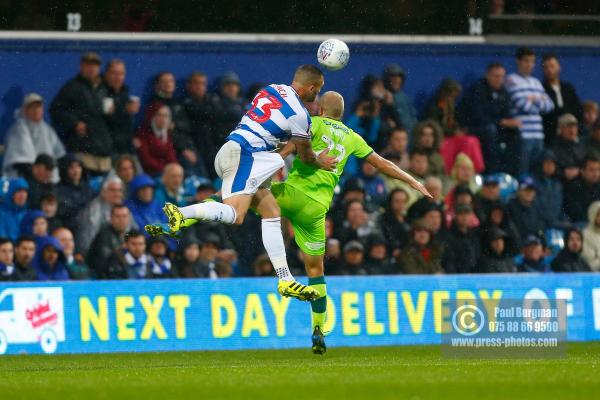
247	313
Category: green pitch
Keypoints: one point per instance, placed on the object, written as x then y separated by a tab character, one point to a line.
344	373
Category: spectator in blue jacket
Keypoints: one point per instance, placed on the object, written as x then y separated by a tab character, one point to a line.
142	204
50	262
374	184
533	256
485	111
35	224
522	211
394	78
549	197
170	187
14	208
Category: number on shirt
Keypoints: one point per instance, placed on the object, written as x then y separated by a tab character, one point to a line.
262	113
330	146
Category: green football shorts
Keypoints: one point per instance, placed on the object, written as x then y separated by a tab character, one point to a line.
306	215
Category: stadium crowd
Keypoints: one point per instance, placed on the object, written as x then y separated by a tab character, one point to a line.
513	164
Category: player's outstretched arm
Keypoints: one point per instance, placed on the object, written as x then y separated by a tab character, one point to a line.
308	156
288	149
390	169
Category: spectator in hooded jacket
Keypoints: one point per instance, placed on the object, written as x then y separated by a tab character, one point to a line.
141	202
485	110
549	197
523	212
188	263
377	259
427	136
582	191
35	224
498	218
50	262
567	147
78	110
120	116
394	78
562	94
591	237
155	140
73	191
569	259
28	137
422	255
170	186
495	258
13	208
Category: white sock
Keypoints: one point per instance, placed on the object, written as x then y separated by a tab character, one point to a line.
273	242
210	211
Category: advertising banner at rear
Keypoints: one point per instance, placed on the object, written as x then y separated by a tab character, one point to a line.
248	313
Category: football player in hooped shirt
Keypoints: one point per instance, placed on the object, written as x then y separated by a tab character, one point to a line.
247	161
306	195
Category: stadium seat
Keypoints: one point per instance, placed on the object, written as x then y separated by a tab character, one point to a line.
555	239
191	183
96	183
4	182
508	185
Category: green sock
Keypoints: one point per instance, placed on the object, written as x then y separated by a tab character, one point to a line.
319	306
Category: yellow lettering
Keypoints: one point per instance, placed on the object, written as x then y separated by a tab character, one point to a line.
440	313
254	317
392	299
88	317
490	302
279	308
220	302
350	314
373	326
153	324
415	314
125	318
179	302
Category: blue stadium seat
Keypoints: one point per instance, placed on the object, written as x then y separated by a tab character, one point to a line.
555	239
96	183
191	183
4	182
508	185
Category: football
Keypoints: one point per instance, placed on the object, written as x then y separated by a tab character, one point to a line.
333	54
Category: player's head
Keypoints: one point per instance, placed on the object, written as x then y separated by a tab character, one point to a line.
332	105
308	81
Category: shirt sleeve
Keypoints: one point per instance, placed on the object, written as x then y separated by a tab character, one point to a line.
361	148
300	125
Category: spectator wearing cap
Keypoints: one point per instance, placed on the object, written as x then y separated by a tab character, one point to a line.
141	202
485	111
8	272
428	136
24	253
589	119
562	94
130	261
40	180
522	211
164	95
549	198
97	212
119	115
28	137
422	255
567	148
488	197
109	239
232	106
73	192
529	102
394	78
418	168
169	187
495	257
353	256
533	256
582	191
462	244
202	109
441	107
396	148
378	261
154	140
76	266
159	262
13	208
393	223
591	237
78	110
592	143
570	258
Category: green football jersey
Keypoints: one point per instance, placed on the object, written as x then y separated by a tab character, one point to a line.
342	142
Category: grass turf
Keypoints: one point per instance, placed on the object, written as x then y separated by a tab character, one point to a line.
344	373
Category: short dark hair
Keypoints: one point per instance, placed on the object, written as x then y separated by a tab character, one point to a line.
524	52
48	197
158	76
196	74
118	207
589	159
24	238
132	234
494	65
549	56
418	152
46	160
112	63
308	73
4	240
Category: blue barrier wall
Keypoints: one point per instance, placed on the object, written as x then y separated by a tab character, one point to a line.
155	315
43	66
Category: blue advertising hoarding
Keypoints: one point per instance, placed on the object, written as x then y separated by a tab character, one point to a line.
170	315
